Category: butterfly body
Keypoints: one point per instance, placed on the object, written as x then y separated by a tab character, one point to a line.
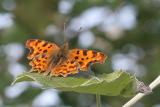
60	55
49	58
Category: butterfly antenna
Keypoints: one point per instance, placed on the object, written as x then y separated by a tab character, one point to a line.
64	33
65	41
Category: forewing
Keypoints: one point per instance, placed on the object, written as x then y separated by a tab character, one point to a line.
38	47
86	57
40	54
67	67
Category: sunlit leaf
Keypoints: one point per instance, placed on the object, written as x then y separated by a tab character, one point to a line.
113	84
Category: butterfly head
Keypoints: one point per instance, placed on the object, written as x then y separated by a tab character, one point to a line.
65	47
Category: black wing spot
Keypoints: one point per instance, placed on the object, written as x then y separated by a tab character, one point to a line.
67	71
76	57
45	51
72	62
49	46
81	63
37	60
37	42
94	54
45	44
77	52
94	61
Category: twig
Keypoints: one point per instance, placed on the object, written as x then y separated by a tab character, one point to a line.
98	100
130	103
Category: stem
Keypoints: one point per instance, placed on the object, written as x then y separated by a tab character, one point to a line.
98	100
130	103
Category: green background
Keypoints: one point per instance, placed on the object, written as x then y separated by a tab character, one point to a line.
128	31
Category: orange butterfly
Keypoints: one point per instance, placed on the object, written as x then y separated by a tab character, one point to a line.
47	57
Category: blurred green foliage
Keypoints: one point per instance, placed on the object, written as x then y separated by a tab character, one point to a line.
32	17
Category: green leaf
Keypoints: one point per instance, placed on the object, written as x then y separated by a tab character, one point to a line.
113	84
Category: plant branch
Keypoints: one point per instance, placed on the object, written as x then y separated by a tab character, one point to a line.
136	98
98	100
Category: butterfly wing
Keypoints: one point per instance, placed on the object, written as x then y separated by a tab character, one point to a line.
40	53
38	47
69	66
86	57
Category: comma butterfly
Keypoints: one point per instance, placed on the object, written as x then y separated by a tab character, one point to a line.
47	57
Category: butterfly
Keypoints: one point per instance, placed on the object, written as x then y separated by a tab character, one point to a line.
47	57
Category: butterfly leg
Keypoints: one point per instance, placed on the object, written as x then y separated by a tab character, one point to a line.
48	71
31	70
92	74
88	74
